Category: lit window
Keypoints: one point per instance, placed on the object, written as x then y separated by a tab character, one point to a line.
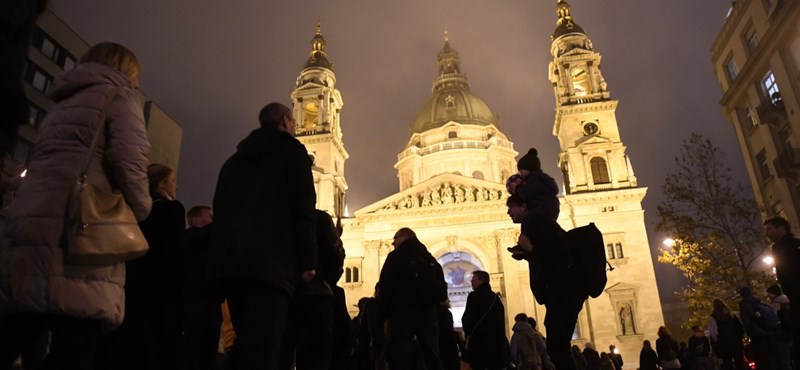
619	251
40	80
610	251
771	87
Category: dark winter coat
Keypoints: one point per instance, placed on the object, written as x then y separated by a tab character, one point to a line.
194	260
787	264
592	359
330	258
540	193
158	274
729	334
398	292
33	275
648	359
747	308
577	356
667	349
448	342
699	346
487	343
264	212
550	266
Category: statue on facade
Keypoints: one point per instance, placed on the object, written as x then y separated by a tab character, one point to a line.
426	199
436	199
626	320
459	194
470	194
447	193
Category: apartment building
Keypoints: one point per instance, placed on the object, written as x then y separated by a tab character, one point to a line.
756	58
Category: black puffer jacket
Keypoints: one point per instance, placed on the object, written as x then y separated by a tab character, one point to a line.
264	212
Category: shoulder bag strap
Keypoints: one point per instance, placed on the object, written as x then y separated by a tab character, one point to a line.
106	103
484	314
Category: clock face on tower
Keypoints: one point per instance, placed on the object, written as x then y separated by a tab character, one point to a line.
590	128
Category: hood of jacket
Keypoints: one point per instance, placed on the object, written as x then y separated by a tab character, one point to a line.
262	141
85	75
545	179
522	327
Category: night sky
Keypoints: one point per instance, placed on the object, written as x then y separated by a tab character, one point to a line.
212	64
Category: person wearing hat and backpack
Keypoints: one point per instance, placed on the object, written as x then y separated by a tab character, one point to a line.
534	203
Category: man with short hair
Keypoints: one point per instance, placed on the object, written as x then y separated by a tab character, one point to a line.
263	239
786	252
551	284
485	326
408	310
615	356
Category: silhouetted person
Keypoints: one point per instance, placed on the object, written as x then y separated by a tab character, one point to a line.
615	357
407	304
667	349
263	239
551	281
726	333
308	338
699	350
485	326
648	358
591	356
763	340
786	252
202	311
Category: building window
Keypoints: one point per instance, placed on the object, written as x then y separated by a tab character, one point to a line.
750	38
38	78
52	50
352	273
610	251
763	167
619	250
477	175
599	170
770	87
731	69
452	135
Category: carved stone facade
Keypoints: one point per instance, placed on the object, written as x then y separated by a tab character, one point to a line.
452	194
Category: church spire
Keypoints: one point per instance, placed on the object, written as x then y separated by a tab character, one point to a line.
449	68
565	24
318	57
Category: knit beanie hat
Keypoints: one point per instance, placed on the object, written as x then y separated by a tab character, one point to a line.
530	161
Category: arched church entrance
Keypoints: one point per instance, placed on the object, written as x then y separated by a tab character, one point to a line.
458	267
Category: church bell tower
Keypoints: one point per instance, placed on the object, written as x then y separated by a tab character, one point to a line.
592	154
317	106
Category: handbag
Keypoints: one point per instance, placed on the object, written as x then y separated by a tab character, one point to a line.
100	227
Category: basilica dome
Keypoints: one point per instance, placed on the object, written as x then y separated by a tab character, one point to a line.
453	104
452	99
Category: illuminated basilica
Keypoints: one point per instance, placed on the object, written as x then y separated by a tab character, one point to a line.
452	176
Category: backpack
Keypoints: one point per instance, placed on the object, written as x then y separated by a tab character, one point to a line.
589	258
428	279
766	317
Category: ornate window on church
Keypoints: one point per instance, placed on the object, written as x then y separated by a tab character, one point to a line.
352	271
599	170
452	135
477	175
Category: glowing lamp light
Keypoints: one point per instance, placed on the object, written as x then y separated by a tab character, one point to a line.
616	351
768	260
668	242
24	172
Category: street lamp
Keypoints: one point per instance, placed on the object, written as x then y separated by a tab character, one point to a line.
668	242
768	260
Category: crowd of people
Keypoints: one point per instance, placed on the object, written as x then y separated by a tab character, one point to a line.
260	271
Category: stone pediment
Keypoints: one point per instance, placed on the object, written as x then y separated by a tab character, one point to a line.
592	139
621	287
441	191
